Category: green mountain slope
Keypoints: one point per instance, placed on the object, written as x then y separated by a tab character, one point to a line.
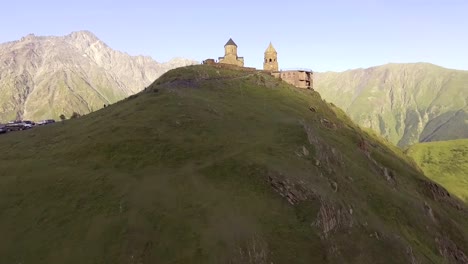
406	103
211	165
445	162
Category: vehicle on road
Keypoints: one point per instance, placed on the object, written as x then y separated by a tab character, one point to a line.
45	122
28	124
18	125
3	129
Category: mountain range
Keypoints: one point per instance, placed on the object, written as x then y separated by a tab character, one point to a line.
405	103
44	77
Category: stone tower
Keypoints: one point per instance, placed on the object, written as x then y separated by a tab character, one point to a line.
230	54
271	59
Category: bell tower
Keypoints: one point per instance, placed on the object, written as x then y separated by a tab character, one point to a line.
270	62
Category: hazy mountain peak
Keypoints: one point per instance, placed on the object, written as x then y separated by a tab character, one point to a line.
28	37
84	39
83	35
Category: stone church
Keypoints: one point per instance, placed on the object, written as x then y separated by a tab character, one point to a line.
301	78
230	54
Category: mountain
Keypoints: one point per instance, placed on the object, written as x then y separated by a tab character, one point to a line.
445	162
405	103
216	165
44	77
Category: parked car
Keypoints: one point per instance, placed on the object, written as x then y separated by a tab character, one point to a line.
45	122
3	129
18	125
28	124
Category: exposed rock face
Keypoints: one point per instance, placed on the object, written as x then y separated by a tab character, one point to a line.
451	252
327	156
43	77
293	192
440	194
331	218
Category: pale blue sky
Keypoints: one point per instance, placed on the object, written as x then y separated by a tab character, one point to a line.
321	35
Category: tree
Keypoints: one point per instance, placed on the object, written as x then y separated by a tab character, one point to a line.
62	117
75	115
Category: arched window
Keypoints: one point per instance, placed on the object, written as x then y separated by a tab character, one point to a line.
270	60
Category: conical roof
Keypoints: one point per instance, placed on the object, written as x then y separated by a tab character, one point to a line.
270	49
230	42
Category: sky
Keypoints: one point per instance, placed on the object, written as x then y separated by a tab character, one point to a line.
333	35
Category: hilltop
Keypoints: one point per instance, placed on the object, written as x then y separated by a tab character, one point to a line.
445	162
215	165
405	103
44	77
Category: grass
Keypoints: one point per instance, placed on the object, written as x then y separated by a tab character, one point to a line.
180	174
445	162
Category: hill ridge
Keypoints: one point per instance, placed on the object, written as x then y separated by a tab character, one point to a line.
198	169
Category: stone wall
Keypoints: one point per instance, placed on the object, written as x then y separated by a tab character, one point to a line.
209	61
232	59
231	66
298	78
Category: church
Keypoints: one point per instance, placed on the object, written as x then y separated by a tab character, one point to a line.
301	78
230	54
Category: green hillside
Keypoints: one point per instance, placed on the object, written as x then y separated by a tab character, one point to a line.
405	103
445	162
211	165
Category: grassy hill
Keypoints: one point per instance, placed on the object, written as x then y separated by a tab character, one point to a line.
445	162
211	165
405	103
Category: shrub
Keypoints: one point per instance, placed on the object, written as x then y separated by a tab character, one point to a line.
75	115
